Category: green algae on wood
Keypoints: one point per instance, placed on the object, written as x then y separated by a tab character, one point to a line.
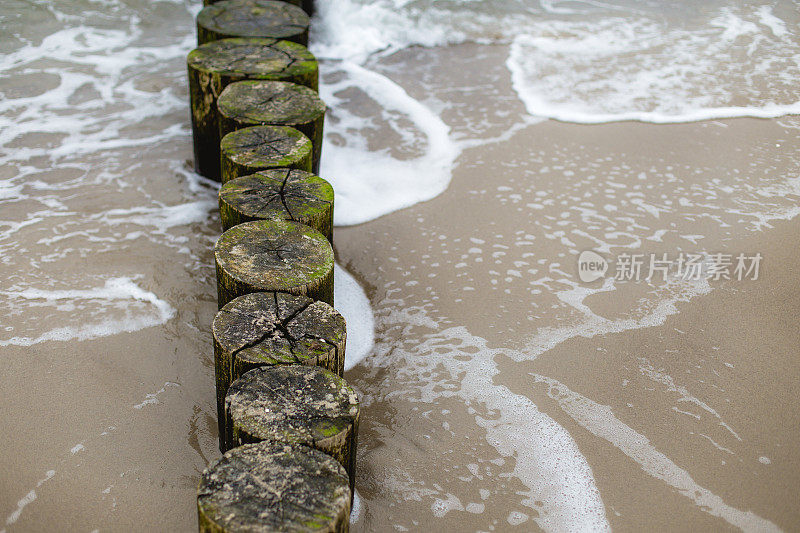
274	255
268	329
213	66
249	150
269	486
260	102
252	18
286	194
296	405
307	5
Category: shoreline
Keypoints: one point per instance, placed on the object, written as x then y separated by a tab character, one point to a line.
419	466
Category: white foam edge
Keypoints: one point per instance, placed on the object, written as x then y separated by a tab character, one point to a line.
371	184
600	421
546	459
352	303
121	288
355	512
538	107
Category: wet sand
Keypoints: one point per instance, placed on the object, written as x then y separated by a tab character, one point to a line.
684	420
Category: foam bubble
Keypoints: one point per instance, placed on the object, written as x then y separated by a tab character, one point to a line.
28	499
152	397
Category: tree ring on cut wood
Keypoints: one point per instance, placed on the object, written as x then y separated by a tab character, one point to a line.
286	194
272	486
246	151
274	255
252	18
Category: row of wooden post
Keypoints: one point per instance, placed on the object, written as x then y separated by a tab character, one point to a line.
288	421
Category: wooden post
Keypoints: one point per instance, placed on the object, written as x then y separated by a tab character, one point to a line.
307	5
246	151
252	18
271	486
286	194
296	405
213	66
268	329
277	103
274	255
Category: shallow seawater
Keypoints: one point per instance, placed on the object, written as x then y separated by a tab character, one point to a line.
476	148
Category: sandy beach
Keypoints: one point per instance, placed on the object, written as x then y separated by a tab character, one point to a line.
502	393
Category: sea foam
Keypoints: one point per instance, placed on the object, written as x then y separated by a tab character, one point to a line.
738	63
369	183
354	306
115	289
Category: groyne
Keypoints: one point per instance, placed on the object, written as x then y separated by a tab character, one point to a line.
288	421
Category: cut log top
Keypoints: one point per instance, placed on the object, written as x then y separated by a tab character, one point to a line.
252	18
295	404
263	147
274	254
286	194
270	102
269	59
268	328
274	487
307	5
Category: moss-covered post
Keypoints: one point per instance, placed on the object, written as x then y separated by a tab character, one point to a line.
249	150
296	405
272	486
268	329
307	5
277	103
284	193
252	18
274	255
213	66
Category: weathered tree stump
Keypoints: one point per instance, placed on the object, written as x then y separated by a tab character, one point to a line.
276	103
307	5
296	405
213	66
268	486
252	18
285	194
268	329
274	255
249	150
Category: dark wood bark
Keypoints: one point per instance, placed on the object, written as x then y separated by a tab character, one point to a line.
277	103
296	405
285	194
249	150
252	18
268	329
268	486
213	66
274	255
